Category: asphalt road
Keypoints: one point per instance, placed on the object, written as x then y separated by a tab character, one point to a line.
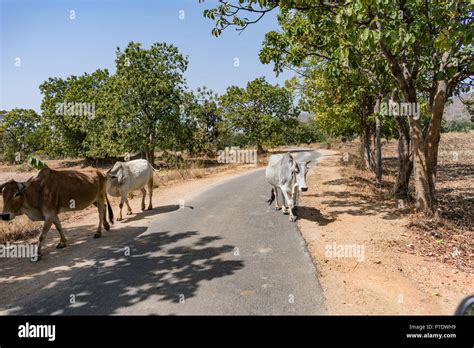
226	251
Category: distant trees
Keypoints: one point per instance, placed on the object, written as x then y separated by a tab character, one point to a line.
261	111
145	106
23	134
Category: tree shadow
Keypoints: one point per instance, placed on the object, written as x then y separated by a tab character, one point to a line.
165	265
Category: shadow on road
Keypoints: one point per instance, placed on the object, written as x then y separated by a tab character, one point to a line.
157	266
155	211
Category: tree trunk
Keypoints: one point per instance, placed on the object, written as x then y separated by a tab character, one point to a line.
405	164
365	141
378	145
150	149
433	134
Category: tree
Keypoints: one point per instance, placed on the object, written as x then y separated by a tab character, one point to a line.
23	134
69	108
258	111
145	97
203	120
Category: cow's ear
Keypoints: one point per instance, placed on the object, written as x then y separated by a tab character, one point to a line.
293	165
2	186
21	188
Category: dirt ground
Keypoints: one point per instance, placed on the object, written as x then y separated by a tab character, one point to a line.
373	271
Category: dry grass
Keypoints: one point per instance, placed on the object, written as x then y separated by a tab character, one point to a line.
19	229
447	236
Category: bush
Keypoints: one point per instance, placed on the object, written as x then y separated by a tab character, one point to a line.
457	126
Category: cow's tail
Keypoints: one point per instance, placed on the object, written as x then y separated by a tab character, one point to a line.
109	208
272	197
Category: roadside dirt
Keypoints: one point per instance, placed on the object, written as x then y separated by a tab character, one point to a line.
359	248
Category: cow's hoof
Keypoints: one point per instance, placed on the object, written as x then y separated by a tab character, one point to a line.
292	218
129	212
107	227
277	208
119	219
143	207
60	245
36	259
97	235
150	207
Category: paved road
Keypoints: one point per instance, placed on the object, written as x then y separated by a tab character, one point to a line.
225	252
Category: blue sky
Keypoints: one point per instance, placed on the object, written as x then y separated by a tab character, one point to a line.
50	44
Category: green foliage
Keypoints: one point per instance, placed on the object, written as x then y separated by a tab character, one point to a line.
69	109
202	119
23	134
260	112
144	97
36	163
457	126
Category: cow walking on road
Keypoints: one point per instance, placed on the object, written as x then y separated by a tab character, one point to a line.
52	192
130	176
285	173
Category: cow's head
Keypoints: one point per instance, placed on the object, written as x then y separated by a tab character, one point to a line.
116	174
301	169
13	198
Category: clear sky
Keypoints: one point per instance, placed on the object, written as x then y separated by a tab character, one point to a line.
40	37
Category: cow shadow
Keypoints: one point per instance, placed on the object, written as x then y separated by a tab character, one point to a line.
163	266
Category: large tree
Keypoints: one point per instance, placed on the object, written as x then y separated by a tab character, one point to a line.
145	96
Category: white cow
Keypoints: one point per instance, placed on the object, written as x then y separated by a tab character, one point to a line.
289	176
130	176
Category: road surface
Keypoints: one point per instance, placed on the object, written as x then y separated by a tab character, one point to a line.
225	251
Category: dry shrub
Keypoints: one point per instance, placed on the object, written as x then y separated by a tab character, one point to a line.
20	228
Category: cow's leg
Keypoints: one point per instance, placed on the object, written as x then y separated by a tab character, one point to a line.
284	207
100	208
129	209
143	197
277	203
289	201
122	200
46	227
150	193
62	243
104	222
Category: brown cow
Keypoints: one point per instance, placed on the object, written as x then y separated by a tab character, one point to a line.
52	192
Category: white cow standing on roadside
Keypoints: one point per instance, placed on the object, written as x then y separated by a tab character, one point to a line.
130	176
